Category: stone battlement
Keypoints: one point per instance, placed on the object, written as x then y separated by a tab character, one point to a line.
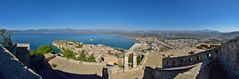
190	59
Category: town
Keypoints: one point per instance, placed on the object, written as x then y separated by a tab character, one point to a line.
119	39
149	58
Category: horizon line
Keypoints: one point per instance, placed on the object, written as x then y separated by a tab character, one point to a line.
121	29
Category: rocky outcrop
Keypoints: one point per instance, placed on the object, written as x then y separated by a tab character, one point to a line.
12	68
229	58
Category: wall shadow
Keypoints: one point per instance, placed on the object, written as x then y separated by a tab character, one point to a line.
157	73
217	72
67	75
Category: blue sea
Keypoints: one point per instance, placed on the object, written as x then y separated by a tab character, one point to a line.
112	40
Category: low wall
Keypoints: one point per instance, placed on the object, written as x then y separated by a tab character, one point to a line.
190	59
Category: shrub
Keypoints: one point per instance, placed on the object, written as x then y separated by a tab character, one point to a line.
69	54
91	59
163	49
139	59
5	39
79	46
83	57
53	65
43	49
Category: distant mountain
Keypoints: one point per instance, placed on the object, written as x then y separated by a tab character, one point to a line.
126	32
199	34
52	31
228	35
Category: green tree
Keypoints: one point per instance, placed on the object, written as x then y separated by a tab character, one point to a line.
43	49
6	39
69	54
91	58
82	56
139	59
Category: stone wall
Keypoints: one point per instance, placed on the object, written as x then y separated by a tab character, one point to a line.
22	53
12	68
190	59
229	58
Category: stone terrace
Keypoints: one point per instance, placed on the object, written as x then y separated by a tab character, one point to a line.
75	67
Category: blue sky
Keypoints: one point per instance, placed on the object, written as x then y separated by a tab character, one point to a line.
221	15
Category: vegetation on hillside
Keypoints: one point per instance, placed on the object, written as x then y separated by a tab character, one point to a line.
79	45
70	54
43	49
139	59
83	57
6	39
163	49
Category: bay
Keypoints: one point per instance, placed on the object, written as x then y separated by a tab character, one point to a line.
112	40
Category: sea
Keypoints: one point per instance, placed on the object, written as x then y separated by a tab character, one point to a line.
112	40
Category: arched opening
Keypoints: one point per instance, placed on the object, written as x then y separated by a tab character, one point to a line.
167	62
198	58
209	55
217	51
181	61
190	59
173	62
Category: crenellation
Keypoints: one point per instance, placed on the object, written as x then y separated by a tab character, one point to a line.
190	59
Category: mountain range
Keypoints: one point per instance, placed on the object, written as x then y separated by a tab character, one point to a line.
157	33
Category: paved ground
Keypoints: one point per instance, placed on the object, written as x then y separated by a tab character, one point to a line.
129	75
154	60
191	74
76	68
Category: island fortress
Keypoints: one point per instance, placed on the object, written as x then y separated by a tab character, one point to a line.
215	62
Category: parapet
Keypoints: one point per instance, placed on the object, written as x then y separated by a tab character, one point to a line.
190	59
23	45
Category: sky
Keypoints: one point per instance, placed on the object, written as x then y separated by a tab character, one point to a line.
220	15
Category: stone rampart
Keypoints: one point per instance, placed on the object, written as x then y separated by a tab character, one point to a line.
190	59
12	68
229	58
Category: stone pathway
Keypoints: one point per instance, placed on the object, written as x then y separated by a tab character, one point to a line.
154	60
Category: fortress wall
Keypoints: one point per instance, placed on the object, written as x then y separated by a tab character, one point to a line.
22	53
229	58
190	59
12	68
